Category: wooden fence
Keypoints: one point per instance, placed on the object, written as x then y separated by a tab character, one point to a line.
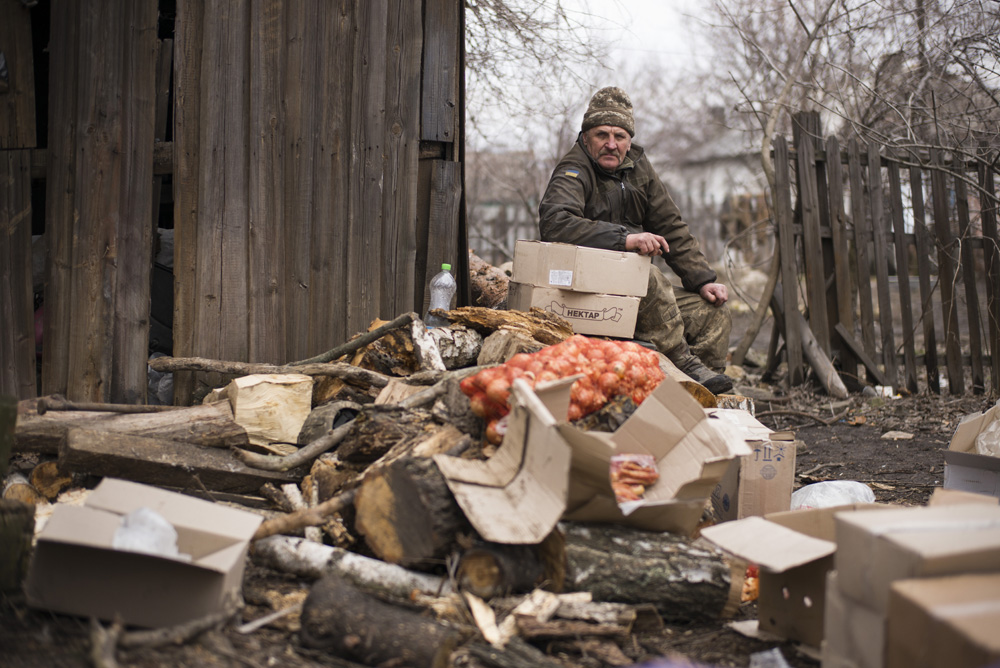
866	224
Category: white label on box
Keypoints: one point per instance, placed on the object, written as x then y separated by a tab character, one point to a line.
562	277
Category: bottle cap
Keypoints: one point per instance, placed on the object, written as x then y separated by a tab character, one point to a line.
446	267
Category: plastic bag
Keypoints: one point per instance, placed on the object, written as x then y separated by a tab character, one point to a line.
832	493
145	530
988	441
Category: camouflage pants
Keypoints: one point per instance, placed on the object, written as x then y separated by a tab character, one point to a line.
674	320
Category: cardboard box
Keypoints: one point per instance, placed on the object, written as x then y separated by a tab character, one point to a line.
761	482
588	313
853	634
964	468
794	551
950	622
580	268
75	569
951	497
880	547
546	469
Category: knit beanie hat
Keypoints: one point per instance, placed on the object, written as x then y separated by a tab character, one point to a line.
610	106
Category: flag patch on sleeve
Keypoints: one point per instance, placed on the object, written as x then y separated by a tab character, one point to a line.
572	172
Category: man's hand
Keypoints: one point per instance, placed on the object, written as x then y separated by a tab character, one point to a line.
646	243
714	293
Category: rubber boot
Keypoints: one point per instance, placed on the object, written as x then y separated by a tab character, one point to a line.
716	383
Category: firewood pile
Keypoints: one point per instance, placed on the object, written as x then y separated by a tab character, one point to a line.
337	453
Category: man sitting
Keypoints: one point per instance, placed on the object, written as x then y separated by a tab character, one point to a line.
605	194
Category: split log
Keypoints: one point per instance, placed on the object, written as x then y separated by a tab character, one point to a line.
515	654
159	461
324	419
530	628
684	580
546	328
506	342
271	407
407	513
49	479
209	425
340	618
305	559
459	346
487	284
360	341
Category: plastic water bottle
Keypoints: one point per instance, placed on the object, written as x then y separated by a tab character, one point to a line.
442	290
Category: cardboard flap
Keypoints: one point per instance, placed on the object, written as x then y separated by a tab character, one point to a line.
767	544
964	439
81	525
182	511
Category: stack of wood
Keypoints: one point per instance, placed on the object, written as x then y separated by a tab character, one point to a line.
337	453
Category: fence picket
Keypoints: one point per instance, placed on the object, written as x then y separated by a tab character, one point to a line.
812	246
991	251
946	273
862	237
786	245
903	275
923	245
967	261
879	232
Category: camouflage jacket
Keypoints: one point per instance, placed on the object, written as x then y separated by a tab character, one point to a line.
584	204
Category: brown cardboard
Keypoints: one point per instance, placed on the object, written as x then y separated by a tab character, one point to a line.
580	268
794	552
853	634
75	570
879	547
518	495
951	497
588	313
761	482
546	468
949	622
964	468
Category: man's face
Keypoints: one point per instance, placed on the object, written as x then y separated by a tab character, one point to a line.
607	145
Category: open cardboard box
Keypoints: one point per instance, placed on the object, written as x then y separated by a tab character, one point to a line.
794	551
75	569
546	469
761	482
964	468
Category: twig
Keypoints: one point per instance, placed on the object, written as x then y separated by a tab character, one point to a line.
823	421
820	467
179	634
301	456
361	341
307	517
250	627
103	643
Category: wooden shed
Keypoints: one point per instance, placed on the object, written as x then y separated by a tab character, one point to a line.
305	157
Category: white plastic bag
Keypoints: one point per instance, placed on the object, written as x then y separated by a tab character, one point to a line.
832	493
145	530
988	441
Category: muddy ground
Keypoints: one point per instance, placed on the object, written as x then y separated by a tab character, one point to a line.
904	471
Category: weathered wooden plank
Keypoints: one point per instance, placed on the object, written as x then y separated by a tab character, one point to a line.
365	220
988	213
862	238
811	244
441	70
98	196
402	142
17	101
869	363
266	250
17	335
300	185
160	461
164	63
841	255
135	230
786	245
329	260
188	36
923	246
967	259
902	246
880	231
446	191
946	274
